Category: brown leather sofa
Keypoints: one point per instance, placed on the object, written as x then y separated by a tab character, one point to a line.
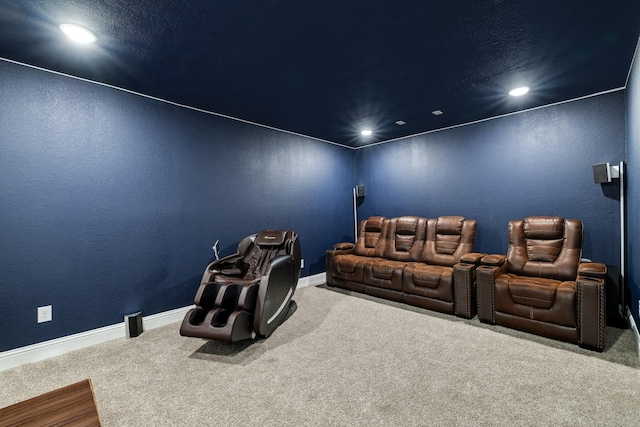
542	287
424	262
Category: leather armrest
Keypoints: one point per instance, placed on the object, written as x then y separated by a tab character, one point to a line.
494	259
592	269
472	258
343	246
486	276
339	249
592	311
464	285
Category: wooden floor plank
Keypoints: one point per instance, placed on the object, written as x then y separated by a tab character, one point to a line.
73	406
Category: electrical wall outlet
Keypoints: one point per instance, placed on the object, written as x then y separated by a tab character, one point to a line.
302	263
45	314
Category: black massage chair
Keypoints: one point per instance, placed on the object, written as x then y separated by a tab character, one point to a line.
247	294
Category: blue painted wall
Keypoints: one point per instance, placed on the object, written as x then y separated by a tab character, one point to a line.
533	163
633	188
110	202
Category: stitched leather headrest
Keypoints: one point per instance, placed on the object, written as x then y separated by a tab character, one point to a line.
271	237
407	225
374	223
449	225
544	227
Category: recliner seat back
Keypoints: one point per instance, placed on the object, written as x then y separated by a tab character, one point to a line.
405	238
447	239
549	247
371	237
273	243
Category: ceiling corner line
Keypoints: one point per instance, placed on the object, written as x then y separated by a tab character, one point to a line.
633	58
495	117
176	104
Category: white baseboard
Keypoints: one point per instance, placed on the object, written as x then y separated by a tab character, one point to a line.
44	350
634	328
316	279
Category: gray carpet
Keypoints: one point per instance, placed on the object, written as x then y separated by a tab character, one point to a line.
346	359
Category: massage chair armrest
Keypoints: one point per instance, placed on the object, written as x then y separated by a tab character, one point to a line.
279	263
227	266
225	263
594	270
494	260
230	272
273	303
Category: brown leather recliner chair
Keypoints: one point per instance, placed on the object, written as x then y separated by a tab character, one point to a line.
345	265
247	294
436	283
542	287
403	243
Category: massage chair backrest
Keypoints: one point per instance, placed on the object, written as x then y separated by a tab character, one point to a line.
448	238
404	239
371	237
276	242
544	246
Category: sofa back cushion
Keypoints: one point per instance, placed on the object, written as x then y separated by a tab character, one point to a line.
545	246
371	237
404	239
447	239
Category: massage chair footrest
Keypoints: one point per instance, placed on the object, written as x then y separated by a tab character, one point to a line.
218	324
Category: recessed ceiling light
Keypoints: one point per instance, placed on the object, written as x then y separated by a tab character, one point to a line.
437	113
519	91
401	122
366	132
77	33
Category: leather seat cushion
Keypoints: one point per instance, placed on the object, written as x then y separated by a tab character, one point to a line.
350	267
384	269
383	273
429	276
432	281
533	291
348	263
521	296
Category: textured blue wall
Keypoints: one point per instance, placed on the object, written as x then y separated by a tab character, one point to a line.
633	188
111	202
533	163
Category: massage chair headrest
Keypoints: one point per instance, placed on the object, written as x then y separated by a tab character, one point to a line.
271	237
